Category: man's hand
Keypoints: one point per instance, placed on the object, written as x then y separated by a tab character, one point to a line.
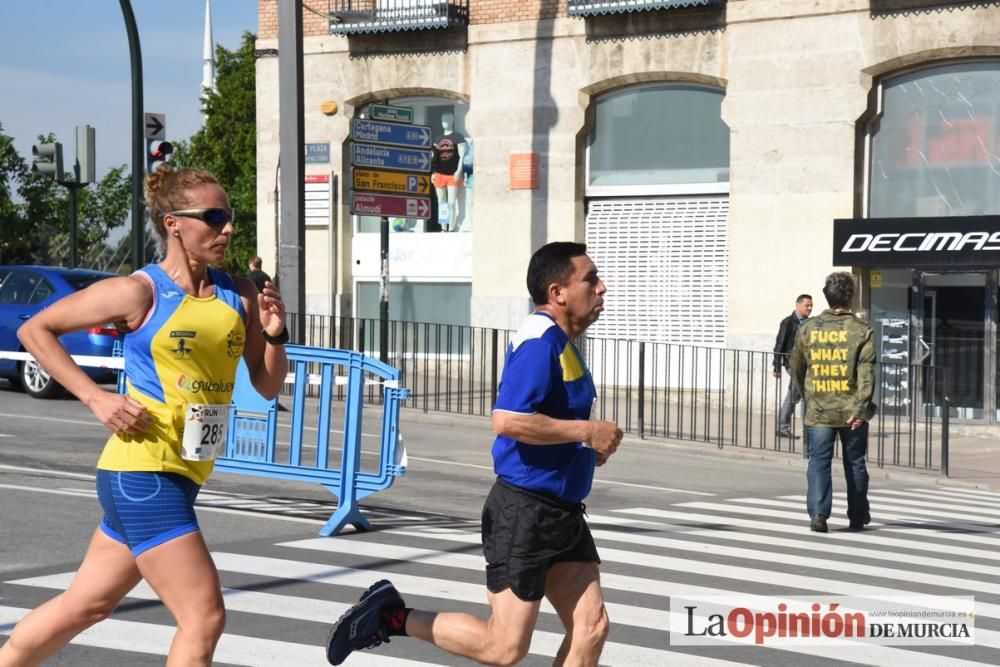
777	374
855	423
604	439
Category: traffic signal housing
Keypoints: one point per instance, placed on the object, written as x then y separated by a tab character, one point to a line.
48	160
157	152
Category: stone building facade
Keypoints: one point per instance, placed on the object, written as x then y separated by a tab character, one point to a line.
703	148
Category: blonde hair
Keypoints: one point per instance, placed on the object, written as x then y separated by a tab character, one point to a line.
167	190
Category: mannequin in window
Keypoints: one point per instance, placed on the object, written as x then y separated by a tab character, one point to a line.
449	153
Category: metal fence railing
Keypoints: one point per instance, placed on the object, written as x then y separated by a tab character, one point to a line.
366	16
725	397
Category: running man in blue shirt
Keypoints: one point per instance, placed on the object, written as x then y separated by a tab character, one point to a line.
535	539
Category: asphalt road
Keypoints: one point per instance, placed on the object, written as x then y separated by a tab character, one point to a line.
670	519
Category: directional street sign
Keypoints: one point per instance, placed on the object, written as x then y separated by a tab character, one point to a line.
393	134
392	206
386	157
391	181
156	125
390	113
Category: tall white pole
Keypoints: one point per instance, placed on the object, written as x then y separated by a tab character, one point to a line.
208	56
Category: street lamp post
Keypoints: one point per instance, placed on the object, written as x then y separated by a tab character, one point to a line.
138	148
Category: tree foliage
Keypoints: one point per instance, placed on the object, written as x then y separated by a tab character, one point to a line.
226	144
35	211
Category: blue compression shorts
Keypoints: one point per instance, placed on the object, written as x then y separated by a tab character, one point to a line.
145	509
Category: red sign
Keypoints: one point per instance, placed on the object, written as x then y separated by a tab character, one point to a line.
390	206
523	171
317	178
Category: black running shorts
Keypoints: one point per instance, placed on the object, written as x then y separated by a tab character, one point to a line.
526	533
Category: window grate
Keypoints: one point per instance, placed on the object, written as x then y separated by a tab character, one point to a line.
598	7
373	16
665	262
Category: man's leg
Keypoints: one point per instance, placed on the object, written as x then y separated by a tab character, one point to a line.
502	639
574	589
855	445
787	407
819	493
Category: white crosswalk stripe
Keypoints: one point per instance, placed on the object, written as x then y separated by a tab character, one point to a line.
924	542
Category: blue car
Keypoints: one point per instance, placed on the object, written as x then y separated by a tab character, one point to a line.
24	291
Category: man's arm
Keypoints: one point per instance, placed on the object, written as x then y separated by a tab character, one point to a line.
780	346
797	362
865	389
539	429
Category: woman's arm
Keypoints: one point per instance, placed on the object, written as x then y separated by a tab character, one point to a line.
124	300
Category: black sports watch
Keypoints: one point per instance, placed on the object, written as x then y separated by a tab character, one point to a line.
280	339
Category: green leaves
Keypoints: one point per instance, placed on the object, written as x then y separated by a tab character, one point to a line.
226	144
35	211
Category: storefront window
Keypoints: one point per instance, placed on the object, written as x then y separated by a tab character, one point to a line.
452	176
935	146
659	135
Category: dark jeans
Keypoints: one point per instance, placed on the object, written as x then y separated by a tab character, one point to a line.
819	497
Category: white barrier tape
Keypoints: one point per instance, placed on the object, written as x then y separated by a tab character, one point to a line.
80	359
118	363
341	380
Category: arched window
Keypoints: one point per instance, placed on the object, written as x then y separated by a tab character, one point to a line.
659	135
935	144
657	212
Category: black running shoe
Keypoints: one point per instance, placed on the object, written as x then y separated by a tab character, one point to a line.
363	625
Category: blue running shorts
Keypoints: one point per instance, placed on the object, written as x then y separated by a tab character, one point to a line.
145	509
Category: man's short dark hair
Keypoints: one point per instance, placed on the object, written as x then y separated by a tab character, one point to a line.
552	263
839	289
802	297
256	262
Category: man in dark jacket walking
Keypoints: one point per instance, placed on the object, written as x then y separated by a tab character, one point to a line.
783	344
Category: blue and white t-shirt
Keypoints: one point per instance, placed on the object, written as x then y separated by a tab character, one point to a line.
544	373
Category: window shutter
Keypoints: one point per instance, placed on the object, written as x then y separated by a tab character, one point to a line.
665	263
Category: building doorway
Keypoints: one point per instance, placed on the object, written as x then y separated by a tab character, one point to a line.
954	326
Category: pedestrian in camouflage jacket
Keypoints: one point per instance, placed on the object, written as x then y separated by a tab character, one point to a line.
833	364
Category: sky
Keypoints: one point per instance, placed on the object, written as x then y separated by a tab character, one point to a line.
65	63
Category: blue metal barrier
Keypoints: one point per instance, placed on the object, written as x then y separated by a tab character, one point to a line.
252	448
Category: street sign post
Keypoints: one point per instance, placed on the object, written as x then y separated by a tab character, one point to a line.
390	206
391	113
388	141
387	157
390	134
391	181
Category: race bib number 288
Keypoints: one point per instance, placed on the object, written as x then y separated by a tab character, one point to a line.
204	431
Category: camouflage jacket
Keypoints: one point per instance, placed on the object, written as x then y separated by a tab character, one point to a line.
833	363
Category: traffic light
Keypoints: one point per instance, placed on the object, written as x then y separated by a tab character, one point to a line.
157	152
48	160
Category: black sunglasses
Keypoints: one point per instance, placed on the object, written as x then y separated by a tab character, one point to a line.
217	217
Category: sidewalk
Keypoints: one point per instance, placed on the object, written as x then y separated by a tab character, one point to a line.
974	451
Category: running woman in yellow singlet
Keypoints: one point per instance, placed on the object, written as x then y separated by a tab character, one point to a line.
186	327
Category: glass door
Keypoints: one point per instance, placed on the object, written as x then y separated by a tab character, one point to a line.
953	326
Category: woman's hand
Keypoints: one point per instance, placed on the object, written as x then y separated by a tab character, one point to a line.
272	310
120	414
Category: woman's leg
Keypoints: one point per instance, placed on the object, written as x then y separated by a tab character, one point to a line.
182	573
107	574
